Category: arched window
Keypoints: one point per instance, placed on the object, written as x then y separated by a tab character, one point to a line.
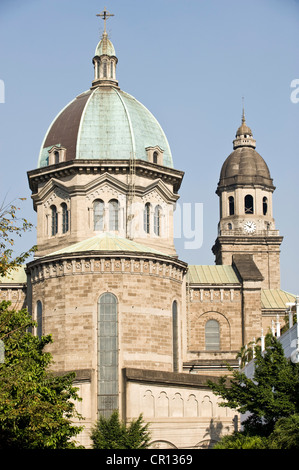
248	204
231	205
54	220
157	220
265	205
98	215
175	339
111	69
56	157
104	68
229	226
39	318
107	354
113	214
146	217
65	218
155	157
212	335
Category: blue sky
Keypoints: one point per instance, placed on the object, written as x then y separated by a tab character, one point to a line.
189	62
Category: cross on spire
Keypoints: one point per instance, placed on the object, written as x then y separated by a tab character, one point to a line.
105	15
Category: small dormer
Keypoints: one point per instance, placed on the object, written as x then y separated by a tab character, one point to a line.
57	154
155	155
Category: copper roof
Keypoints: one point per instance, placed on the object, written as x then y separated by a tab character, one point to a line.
64	130
214	274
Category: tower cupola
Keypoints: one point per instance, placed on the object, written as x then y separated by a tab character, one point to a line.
244	137
105	59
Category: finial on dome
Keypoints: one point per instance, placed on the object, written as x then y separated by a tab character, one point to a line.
104	15
244	136
243	110
105	59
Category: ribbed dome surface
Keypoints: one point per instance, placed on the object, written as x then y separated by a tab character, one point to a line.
246	166
105	123
244	161
105	46
243	130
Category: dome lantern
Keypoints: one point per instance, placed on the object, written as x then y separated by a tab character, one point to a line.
105	59
244	137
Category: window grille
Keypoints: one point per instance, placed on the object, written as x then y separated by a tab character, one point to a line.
113	214
107	354
98	215
212	335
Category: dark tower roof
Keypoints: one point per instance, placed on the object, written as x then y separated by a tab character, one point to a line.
244	166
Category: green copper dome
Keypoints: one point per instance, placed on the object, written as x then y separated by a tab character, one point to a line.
105	122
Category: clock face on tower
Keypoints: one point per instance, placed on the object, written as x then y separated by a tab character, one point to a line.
249	227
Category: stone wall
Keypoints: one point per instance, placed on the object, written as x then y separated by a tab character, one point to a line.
181	409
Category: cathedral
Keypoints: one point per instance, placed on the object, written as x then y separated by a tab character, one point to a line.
143	330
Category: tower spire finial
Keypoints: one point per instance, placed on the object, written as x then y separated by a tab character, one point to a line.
243	110
105	15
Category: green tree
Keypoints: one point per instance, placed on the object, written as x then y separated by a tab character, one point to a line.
271	394
36	407
239	440
10	226
112	433
286	433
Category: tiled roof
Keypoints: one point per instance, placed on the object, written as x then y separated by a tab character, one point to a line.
214	274
276	298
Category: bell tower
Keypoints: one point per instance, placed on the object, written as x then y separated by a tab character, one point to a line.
246	223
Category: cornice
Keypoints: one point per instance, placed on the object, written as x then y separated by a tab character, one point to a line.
98	167
104	263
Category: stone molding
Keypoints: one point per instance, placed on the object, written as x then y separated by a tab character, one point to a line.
106	262
169	378
98	167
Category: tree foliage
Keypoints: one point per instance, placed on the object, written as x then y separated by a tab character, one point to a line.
112	433
271	394
286	433
36	407
11	226
239	440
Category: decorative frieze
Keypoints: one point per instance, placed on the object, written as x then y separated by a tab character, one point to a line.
215	295
44	269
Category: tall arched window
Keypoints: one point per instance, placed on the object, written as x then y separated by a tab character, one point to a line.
175	339
65	218
104	68
155	157
107	354
56	157
113	214
212	335
157	220
248	204
98	215
231	205
265	205
39	318
54	220
146	217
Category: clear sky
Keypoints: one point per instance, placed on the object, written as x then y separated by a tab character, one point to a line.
189	62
